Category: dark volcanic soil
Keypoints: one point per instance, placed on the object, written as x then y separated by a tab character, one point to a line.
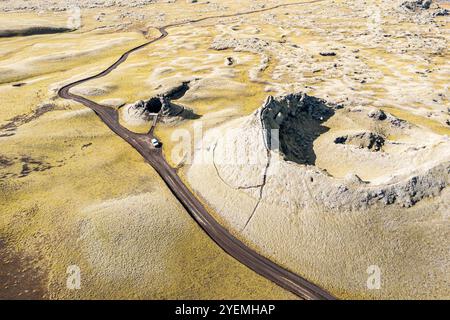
19	279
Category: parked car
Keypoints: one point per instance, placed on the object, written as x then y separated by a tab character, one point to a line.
156	143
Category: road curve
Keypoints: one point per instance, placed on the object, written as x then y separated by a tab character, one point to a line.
222	237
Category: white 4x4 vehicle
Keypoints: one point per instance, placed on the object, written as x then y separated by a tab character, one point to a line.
156	143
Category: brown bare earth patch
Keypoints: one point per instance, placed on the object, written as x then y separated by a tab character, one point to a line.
19	278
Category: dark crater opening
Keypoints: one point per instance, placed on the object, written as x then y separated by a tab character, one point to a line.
153	105
300	119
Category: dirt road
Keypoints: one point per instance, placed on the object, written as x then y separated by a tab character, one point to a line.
154	156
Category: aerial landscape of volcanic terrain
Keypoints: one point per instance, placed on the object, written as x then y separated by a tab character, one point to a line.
224	149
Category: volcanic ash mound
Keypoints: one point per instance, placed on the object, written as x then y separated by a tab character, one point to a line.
286	151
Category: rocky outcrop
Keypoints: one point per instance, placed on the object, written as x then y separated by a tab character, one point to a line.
428	6
61	6
417	5
254	45
363	140
441	12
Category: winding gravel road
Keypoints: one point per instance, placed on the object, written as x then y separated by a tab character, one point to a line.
154	156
